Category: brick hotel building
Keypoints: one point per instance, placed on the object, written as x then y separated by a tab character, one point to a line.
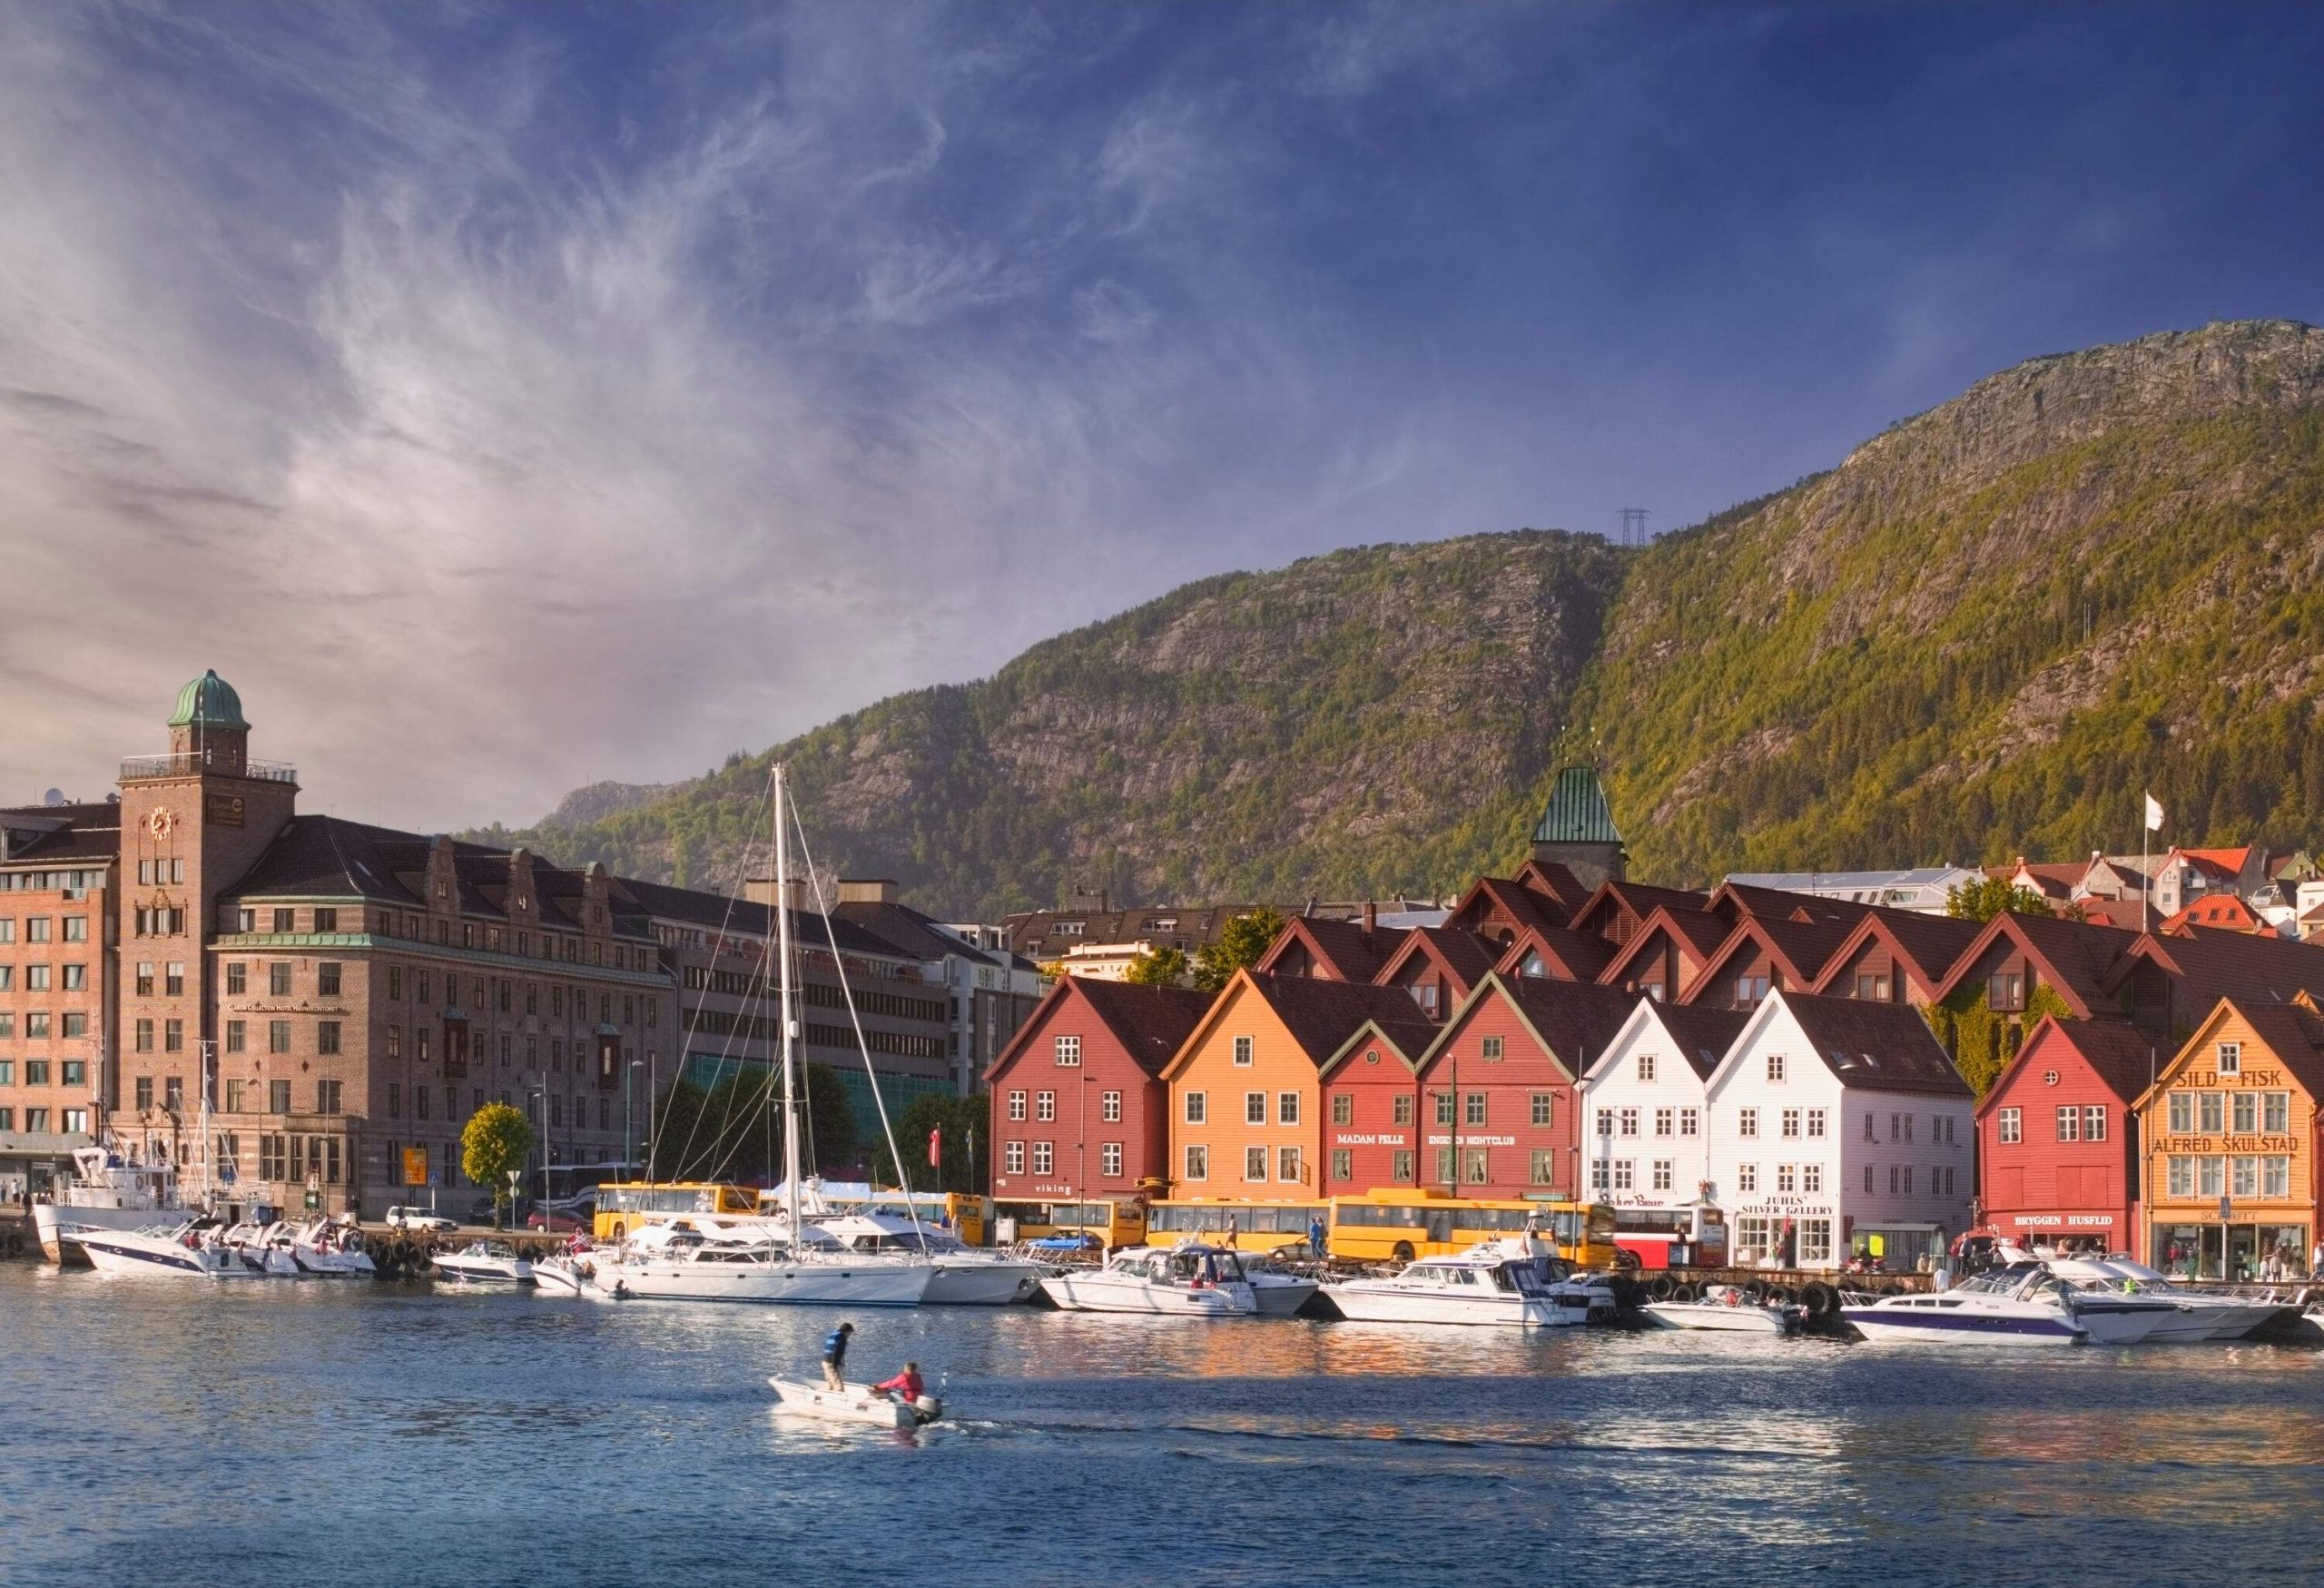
354	993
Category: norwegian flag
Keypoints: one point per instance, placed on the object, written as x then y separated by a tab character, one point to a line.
936	1148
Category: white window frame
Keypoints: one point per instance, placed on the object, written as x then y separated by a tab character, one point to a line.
1243	1053
1069	1052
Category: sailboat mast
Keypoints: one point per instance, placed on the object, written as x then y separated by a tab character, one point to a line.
790	1061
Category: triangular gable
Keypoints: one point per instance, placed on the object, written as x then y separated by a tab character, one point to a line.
1555	883
1519	909
1462	958
1916	946
1523	999
2084	990
1238	987
1369	1035
1690	1032
1621	900
1566	956
1694	934
1770	1010
1737	900
1344	951
1800	950
2101	1044
2205	1033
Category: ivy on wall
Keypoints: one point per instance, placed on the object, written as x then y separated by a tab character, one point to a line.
1982	1040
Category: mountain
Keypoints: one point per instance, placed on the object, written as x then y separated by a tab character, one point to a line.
1980	635
1375	719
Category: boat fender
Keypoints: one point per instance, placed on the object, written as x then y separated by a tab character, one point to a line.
1664	1288
1684	1293
1734	1296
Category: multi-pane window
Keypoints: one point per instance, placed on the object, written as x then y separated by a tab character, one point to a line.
1811	1177
1195	1111
1243	1050
1491	1049
2182	1176
2069	1123
1109	1107
1775	1066
1629	1121
278	1036
1343	1164
1109	1159
2246	1112
174	1036
1666	1121
1045	1106
1474	1112
327	976
1691	1121
1254	1108
1789	1126
2276	1110
1401	1108
278	1097
2210	1108
1479	1170
2094	1122
2246	1175
144	979
1747	1122
1815	1122
1342	1109
278	979
2182	1111
2010	1125
1544	1108
1542	1167
1044	1158
1254	1163
2230	1057
1197	1163
1069	1052
1013	1158
1786	1178
2275	1176
144	1093
2210	1176
1400	1167
142	1035
1625	1175
1661	1180
1287	1108
1287	1166
1646	1067
1017	1105
173	979
327	1036
327	1095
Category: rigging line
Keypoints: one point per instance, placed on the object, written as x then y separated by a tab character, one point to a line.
693	1026
839	961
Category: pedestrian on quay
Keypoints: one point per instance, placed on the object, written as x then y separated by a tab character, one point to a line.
835	1356
1315	1236
1230	1232
2316	1259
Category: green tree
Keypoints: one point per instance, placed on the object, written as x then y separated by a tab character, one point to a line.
1989	896
1242	941
1163	967
957	1118
733	1130
497	1138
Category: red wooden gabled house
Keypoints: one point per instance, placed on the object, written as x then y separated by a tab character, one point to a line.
1372	1107
1763	954
1556	953
1667	954
1332	951
2057	1137
1438	967
1897	956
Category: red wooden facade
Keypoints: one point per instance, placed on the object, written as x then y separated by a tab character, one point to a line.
1371	1113
2057	1139
1500	1082
1078	1106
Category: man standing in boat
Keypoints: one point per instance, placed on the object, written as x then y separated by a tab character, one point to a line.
835	1356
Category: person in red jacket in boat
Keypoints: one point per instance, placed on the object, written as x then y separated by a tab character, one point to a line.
906	1387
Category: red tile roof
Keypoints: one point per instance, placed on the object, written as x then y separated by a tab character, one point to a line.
1322	1015
1574	1020
1464	957
1343	947
1877	1047
2225	912
1568	956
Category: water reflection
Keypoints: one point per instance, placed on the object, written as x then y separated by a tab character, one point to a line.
155	1415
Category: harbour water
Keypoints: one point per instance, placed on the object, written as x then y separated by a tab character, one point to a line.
180	1432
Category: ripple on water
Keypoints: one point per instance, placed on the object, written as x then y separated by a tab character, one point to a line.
363	1434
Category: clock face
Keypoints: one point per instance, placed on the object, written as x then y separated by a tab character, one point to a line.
161	821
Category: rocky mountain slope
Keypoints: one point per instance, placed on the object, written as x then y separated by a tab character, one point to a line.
1982	632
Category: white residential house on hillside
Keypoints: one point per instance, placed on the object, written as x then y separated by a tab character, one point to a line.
1643	1107
1838	1125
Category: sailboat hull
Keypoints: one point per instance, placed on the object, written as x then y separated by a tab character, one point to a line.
770	1283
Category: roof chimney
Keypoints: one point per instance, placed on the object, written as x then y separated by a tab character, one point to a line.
761	890
1370	918
866	890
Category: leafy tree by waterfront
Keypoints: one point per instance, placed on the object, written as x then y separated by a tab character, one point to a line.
733	1130
497	1138
1162	967
961	1119
1243	941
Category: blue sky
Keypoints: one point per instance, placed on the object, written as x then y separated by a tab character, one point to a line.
506	398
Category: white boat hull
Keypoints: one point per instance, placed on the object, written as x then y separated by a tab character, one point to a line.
1282	1295
127	1252
1890	1327
1378	1301
857	1403
1096	1290
982	1283
770	1283
52	1225
484	1270
1742	1320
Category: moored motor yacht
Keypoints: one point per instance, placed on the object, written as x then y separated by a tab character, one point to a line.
965	1276
484	1262
1190	1280
190	1250
2198	1314
1497	1282
1279	1291
2020	1303
107	1192
326	1248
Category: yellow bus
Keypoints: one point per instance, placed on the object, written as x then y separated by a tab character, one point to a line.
1118	1224
1259	1227
622	1206
967	1215
1400	1224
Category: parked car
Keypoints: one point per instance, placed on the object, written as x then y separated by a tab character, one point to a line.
555	1218
425	1219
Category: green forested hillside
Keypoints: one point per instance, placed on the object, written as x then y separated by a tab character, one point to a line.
1979	635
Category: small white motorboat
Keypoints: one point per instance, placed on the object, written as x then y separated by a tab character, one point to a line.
1727	1309
484	1262
1190	1280
857	1403
1279	1291
192	1248
1495	1282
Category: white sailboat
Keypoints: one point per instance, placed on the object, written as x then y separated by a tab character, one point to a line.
794	1263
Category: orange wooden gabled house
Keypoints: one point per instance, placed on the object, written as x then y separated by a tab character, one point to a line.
1245	1108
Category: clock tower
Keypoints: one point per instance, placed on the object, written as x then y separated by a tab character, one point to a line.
194	822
